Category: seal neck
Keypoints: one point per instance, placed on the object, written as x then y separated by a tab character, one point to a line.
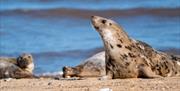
115	41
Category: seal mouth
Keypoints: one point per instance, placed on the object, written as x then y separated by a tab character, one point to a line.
94	20
97	28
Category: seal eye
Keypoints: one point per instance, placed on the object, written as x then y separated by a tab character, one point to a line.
110	24
103	21
29	56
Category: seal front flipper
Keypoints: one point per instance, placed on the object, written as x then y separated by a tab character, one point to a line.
19	73
146	72
108	76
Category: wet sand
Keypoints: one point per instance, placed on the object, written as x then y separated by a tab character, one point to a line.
158	84
85	13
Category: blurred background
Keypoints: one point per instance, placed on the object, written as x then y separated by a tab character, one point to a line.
59	32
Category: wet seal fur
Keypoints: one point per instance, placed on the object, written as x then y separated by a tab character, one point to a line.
129	58
91	67
20	67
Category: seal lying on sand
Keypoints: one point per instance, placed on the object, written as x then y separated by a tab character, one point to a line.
91	67
21	67
128	58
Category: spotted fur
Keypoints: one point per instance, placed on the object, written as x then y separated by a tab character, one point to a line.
91	67
131	58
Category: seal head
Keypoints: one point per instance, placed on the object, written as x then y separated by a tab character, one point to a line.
25	62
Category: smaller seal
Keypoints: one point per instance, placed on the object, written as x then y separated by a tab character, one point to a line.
20	67
91	67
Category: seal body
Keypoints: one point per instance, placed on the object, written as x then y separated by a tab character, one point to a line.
91	67
129	58
21	67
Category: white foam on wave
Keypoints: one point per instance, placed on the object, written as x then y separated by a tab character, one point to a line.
59	73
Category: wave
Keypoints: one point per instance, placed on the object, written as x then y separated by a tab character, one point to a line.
90	52
50	74
85	13
85	53
71	53
175	51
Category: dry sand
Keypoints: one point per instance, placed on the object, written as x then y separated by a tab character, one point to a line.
158	84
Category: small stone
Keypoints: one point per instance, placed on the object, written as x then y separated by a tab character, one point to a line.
49	83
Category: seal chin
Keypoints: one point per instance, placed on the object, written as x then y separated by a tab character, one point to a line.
93	20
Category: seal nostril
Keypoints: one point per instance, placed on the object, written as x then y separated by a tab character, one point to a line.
92	16
103	21
96	27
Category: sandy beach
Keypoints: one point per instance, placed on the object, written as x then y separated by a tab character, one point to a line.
59	33
158	84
